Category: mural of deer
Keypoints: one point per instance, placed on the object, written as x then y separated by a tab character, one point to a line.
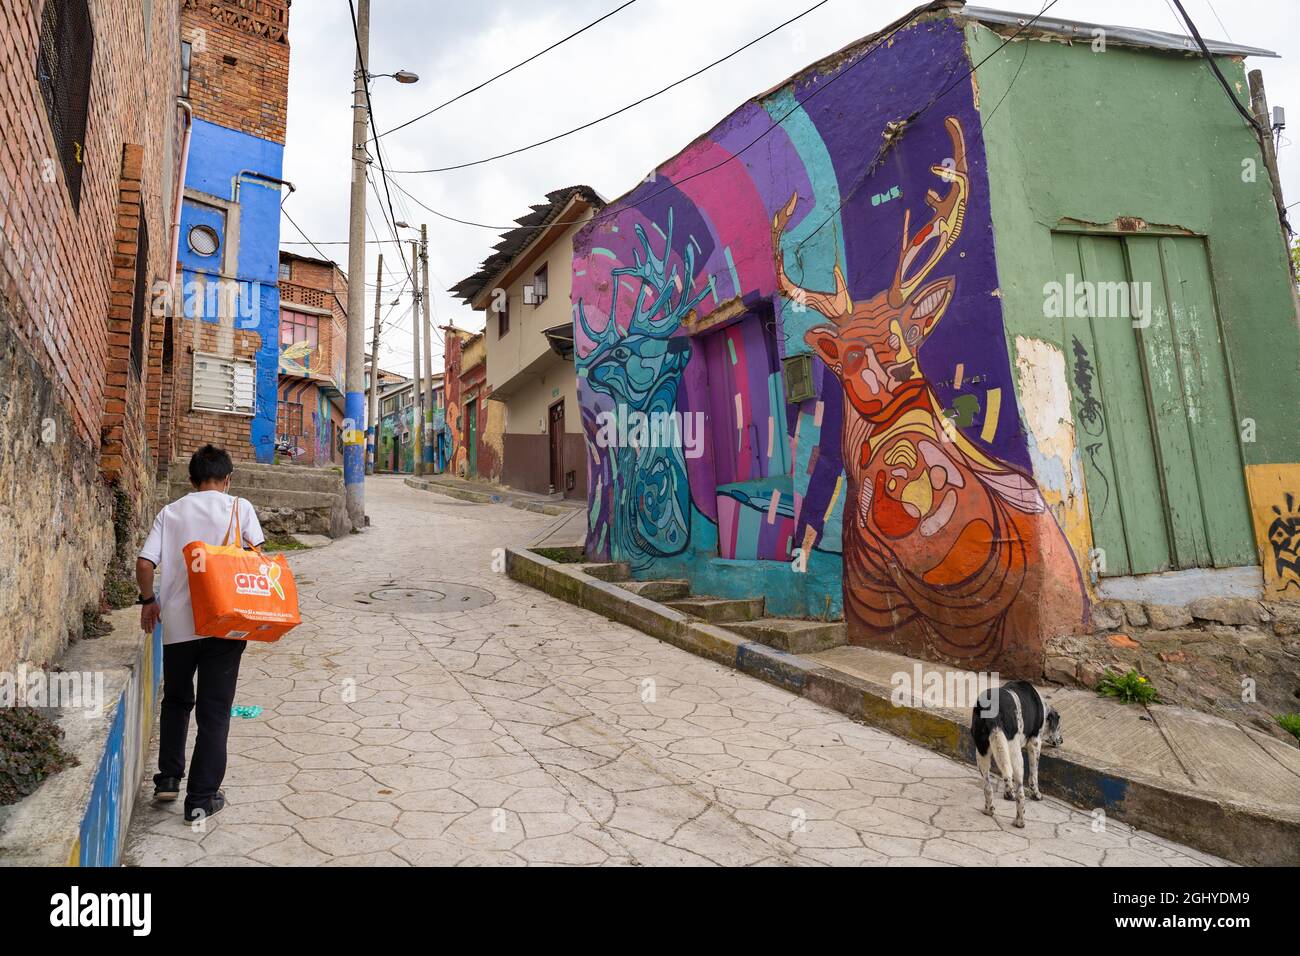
640	369
947	551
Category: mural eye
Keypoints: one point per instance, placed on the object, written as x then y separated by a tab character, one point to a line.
622	353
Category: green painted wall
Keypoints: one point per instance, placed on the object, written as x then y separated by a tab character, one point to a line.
1096	136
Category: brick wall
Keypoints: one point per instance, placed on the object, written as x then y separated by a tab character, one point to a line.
193	428
63	269
239	71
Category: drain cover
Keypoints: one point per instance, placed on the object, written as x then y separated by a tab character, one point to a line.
435	597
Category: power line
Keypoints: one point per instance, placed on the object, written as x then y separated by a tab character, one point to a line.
474	89
364	61
913	117
622	109
676	183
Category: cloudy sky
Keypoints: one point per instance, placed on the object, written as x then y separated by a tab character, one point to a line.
454	45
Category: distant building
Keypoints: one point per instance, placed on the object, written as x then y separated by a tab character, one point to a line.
475	425
313	350
395	445
523	291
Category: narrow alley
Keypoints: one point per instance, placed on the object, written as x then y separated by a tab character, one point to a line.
483	722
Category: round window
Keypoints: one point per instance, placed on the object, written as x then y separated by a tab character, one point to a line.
204	240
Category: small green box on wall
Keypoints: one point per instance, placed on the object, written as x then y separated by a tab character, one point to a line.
798	378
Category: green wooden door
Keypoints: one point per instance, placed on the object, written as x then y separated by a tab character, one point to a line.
1153	404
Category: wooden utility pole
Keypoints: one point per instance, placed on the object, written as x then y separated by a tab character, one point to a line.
354	408
417	410
372	406
426	433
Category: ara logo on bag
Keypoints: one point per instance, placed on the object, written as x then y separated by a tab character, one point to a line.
260	583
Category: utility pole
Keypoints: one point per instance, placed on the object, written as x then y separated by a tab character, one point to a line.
426	433
372	408
417	409
354	410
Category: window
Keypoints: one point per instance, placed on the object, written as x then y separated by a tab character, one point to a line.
503	317
139	307
289	419
297	327
63	73
204	240
187	62
539	286
285	271
223	385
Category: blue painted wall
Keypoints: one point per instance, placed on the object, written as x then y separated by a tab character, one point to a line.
217	156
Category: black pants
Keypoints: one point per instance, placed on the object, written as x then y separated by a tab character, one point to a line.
216	660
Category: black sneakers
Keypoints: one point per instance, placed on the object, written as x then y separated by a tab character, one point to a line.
199	812
166	789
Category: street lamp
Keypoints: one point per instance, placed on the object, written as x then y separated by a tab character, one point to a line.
401	76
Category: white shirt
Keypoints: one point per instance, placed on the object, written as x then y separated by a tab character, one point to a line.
199	516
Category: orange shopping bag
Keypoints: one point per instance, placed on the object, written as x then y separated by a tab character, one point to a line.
238	594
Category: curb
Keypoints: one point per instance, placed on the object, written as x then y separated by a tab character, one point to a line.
484	497
80	815
1241	832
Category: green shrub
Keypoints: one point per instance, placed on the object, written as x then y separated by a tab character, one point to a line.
1130	688
29	752
1291	724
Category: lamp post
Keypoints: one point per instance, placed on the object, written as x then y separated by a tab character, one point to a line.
354	408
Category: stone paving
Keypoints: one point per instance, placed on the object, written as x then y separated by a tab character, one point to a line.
529	731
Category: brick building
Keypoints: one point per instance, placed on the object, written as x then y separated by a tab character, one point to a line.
90	159
227	376
313	350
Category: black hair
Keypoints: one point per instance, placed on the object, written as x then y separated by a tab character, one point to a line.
210	463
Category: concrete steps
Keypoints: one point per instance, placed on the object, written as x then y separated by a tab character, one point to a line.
673	590
617	571
720	610
288	499
792	635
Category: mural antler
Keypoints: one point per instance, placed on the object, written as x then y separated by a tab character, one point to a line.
943	228
641	370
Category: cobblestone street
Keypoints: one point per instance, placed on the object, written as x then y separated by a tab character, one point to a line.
529	731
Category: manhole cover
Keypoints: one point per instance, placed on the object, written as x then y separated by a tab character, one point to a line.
436	597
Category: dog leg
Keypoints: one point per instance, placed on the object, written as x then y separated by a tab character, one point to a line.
1002	756
982	761
1018	769
1035	751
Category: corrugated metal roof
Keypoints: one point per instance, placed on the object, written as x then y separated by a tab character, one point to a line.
1128	36
516	240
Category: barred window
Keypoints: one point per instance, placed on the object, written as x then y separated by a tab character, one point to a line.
63	72
140	305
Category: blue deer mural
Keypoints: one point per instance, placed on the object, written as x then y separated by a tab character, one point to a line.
640	370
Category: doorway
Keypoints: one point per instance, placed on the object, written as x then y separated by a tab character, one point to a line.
555	434
471	436
1152	397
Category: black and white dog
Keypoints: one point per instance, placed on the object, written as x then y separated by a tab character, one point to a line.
1016	719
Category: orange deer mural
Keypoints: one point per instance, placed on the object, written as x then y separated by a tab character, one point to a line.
948	552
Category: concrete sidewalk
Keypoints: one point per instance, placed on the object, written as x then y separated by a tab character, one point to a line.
431	710
1220	786
483	492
